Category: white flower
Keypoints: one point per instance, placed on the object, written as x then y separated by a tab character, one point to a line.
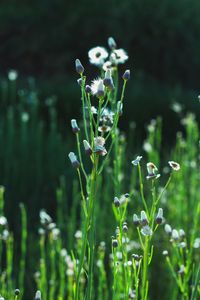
174	165
146	230
136	161
107	65
44	217
118	56
152	171
97	86
97	56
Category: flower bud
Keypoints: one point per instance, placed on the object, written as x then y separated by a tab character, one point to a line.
126	75
74	125
79	67
181	233
115	243
175	235
168	229
144	219
159	217
100	90
116	202
38	295
111	43
75	163
88	149
136	220
165	253
108	82
125	227
80	81
17	292
88	89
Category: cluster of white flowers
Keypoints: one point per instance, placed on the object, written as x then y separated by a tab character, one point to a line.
48	225
100	56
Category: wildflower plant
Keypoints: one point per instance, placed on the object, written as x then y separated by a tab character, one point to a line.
99	135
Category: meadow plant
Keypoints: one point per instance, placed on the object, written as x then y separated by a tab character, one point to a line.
138	218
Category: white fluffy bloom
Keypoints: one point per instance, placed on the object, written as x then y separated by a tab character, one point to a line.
119	56
96	85
97	56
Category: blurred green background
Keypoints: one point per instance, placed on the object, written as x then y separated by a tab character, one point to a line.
41	39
